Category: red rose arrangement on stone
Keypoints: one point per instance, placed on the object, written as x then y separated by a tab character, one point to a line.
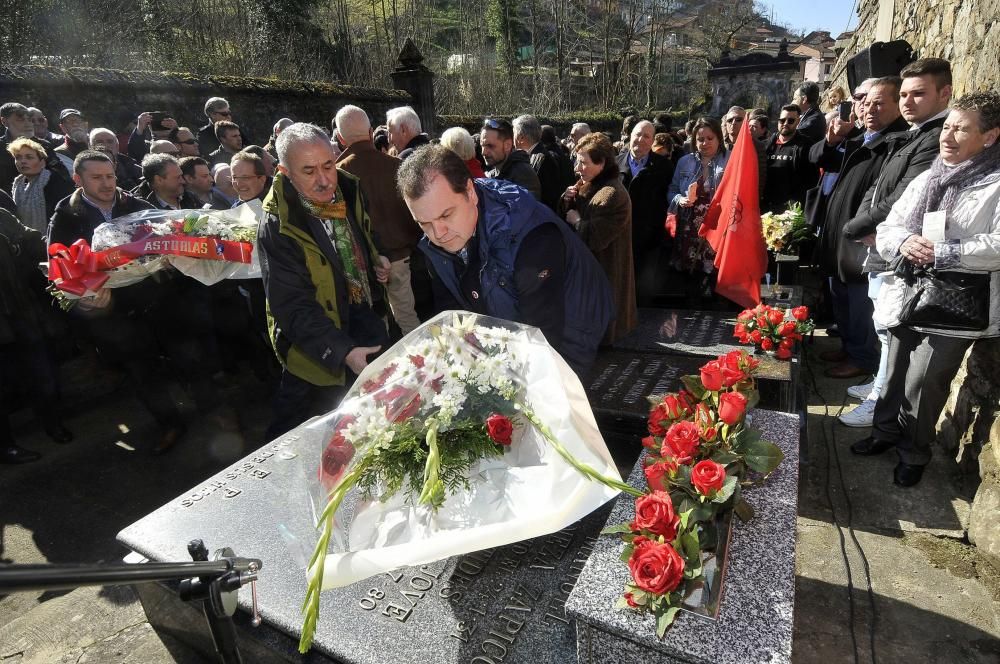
773	329
699	453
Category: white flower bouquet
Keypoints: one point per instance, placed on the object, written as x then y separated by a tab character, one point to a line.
469	433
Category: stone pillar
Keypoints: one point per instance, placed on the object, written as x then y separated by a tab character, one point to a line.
413	77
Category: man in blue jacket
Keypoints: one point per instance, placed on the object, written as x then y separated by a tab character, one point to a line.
497	251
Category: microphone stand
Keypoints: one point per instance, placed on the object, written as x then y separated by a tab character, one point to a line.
212	583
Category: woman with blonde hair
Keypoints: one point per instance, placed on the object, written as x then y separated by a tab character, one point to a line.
36	189
459	141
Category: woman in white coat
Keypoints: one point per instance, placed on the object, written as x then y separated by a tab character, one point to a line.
957	202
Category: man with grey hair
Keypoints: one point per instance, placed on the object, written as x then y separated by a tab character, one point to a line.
579	130
322	276
405	132
41	125
127	171
391	219
275	132
812	124
216	110
528	137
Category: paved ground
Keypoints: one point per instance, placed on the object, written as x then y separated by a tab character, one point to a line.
935	600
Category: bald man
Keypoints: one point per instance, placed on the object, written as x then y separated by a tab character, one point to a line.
126	170
647	177
398	234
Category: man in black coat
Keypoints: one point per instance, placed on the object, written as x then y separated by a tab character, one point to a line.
789	172
504	160
646	175
528	137
405	131
134	325
216	110
842	259
924	97
812	124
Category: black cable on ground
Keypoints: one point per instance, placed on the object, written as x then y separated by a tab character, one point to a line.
827	436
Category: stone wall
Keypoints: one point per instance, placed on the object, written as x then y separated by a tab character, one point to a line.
113	99
967	33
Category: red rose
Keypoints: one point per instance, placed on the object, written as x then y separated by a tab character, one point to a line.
656	417
336	456
787	343
775	316
649	442
756	336
739	330
708	477
732	405
681	442
711	376
675	406
499	428
786	328
731	371
766	343
655	512
378	382
398	413
800	313
656	568
631	602
745	315
658	473
751	362
783	353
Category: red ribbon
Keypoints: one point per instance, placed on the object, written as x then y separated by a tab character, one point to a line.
75	269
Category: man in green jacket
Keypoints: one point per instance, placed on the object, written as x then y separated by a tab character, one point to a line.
323	277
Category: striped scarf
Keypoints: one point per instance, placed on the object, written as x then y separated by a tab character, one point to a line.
29	197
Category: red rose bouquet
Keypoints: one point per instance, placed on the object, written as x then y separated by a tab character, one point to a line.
773	329
700	452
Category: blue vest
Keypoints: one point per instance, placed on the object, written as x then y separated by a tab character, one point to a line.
509	213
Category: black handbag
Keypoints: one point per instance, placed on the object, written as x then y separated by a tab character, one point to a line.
945	300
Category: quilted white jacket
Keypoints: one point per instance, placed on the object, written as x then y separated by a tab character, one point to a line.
975	222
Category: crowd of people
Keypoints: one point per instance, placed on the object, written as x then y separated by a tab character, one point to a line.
366	231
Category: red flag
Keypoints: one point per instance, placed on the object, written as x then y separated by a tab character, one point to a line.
732	227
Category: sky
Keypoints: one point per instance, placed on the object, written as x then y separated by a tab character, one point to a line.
831	15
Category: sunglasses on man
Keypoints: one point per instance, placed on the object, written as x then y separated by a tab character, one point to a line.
494	123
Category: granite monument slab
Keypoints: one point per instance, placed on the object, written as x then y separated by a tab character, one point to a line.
754	623
620	383
503	604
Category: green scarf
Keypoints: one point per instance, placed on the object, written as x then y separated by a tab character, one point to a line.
351	251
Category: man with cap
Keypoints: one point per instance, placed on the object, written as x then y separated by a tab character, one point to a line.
76	136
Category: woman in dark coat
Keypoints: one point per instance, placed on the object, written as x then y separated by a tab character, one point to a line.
600	208
36	190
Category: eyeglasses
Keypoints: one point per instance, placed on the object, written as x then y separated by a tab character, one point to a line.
788	120
733	120
860	96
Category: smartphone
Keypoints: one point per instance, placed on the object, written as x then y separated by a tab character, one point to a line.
845	108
